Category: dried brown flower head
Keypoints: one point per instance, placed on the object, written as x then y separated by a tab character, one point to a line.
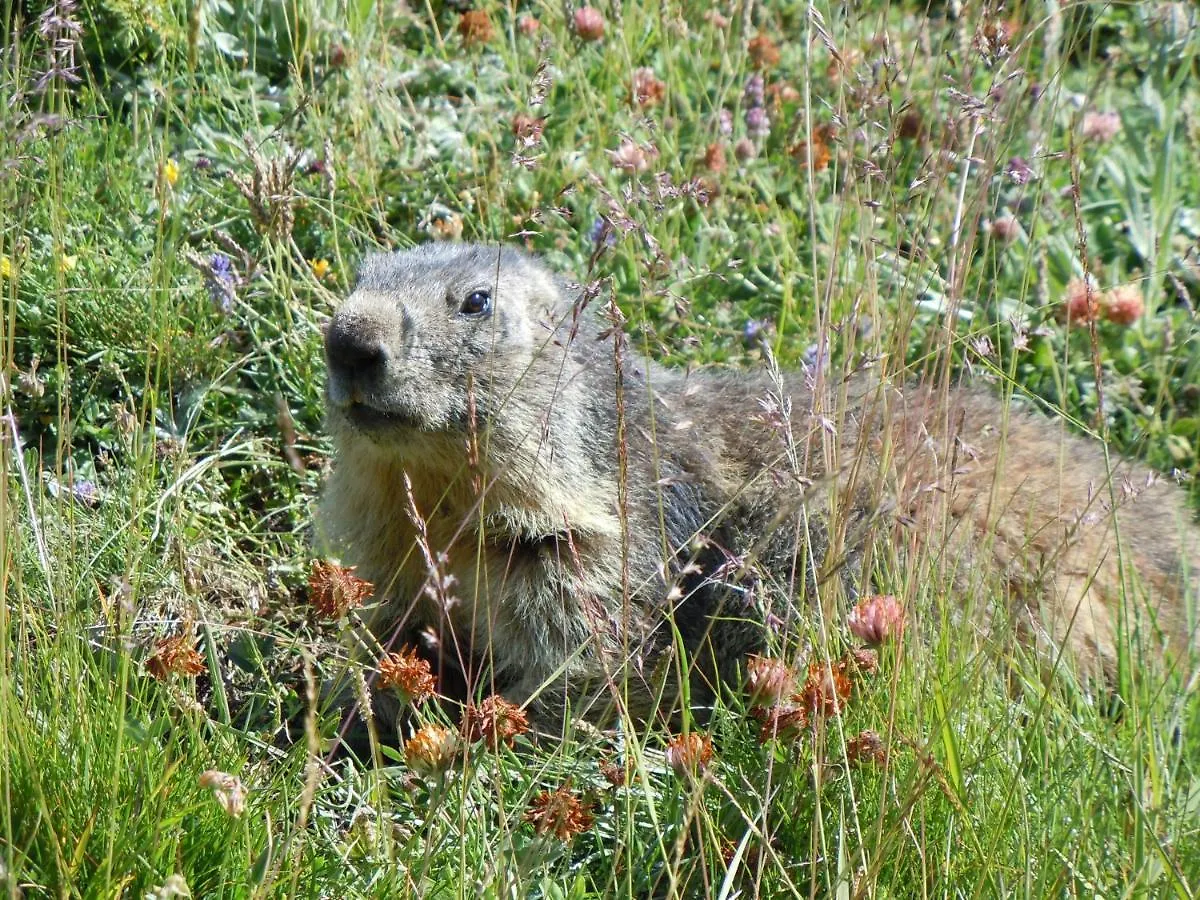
863	661
764	52
714	158
877	619
615	772
815	150
227	790
495	721
589	23
1123	305
1005	229
334	590
407	674
866	747
782	722
910	126
826	689
745	150
689	754
1081	304
175	655
648	89
475	27
768	681
431	750
559	813
780	92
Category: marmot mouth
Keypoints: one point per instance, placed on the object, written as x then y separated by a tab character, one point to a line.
371	418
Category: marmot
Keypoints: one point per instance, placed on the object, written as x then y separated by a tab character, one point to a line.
585	522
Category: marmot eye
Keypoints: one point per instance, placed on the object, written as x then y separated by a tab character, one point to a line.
478	303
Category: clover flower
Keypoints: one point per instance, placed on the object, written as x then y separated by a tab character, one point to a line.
334	590
407	674
559	813
495	721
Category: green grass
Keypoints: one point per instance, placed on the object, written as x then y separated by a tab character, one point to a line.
375	126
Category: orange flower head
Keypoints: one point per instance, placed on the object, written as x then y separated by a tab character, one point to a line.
764	52
495	721
714	158
475	27
648	89
559	813
863	661
334	590
689	754
866	747
431	751
783	722
175	656
826	689
407	674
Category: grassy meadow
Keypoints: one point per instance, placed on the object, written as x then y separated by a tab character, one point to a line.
1005	190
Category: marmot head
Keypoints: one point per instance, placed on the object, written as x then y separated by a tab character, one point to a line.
429	333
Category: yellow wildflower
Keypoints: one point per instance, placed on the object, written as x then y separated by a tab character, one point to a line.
67	262
6	267
170	172
320	268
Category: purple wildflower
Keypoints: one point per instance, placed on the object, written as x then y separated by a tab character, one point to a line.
757	330
221	282
725	122
755	90
757	123
602	232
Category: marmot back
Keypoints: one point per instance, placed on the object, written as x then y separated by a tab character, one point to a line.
567	515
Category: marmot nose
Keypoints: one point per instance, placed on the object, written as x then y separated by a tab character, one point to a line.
353	347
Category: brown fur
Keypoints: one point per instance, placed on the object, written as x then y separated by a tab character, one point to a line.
591	525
